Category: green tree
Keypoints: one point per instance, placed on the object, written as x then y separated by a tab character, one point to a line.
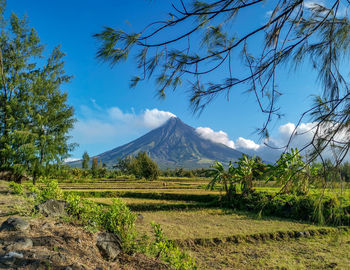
86	160
19	46
143	166
94	165
123	164
34	116
50	116
345	171
206	38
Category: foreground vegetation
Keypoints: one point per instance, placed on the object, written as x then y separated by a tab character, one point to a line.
216	235
202	221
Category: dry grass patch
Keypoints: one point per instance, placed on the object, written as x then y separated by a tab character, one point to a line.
210	223
326	252
136	201
160	191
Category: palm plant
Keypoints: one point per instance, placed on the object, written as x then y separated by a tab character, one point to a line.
222	176
291	173
245	172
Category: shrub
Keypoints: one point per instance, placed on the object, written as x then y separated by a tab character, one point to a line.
49	190
164	249
116	218
15	188
120	220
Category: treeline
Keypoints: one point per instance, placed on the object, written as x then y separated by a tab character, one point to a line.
289	168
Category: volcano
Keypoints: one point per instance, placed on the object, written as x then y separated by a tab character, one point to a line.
174	145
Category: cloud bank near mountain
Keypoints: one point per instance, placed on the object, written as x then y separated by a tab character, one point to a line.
97	127
268	148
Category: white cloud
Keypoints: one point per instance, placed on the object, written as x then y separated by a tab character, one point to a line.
313	4
246	144
71	159
105	126
271	149
218	137
155	118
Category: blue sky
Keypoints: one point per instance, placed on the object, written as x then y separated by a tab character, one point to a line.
110	114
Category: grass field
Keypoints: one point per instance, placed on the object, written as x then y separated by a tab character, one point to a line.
326	252
214	236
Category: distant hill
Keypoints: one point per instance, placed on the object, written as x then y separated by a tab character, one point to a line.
173	145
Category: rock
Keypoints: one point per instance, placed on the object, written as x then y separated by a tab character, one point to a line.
109	245
13	254
58	258
140	217
332	265
307	234
19	244
46	225
14	224
52	208
76	266
300	234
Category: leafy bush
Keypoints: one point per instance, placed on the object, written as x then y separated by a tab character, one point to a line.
116	218
49	190
164	249
15	188
312	208
120	220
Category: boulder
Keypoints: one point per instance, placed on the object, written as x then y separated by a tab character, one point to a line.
20	244
109	245
52	208
14	224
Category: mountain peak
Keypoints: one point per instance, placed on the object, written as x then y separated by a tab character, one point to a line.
174	145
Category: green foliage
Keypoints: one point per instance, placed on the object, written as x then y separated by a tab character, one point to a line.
35	118
86	160
94	166
315	34
245	173
123	165
242	174
15	188
311	208
164	249
142	166
225	177
32	188
117	218
49	189
292	173
120	220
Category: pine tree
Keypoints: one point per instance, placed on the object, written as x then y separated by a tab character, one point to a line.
94	166
34	115
51	118
86	159
19	47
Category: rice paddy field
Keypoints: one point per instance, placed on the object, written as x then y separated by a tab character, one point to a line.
221	238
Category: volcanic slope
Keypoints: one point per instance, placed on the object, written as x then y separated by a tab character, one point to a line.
174	145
